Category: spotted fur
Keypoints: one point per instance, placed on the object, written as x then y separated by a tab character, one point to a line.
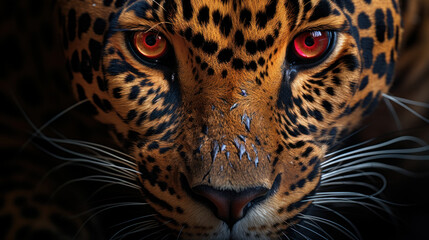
227	111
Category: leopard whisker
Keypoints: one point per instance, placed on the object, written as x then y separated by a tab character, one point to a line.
301	234
75	162
337	198
330	223
351	183
287	237
377	190
283	231
372	147
91	159
83	158
124	177
103	208
105	147
400	103
348	148
311	230
180	232
38	131
168	234
342	140
350	223
149	235
109	206
393	112
374	165
96	148
368	206
353	174
99	190
160	226
376	155
408	101
378	204
116	170
349	195
97	178
157	3
138	225
318	227
134	219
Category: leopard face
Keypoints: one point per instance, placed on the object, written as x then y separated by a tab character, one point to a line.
229	107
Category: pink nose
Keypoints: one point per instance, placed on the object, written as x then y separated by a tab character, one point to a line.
230	206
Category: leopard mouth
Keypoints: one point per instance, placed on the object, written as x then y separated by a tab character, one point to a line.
230	206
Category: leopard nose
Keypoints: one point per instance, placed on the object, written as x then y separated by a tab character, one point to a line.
230	206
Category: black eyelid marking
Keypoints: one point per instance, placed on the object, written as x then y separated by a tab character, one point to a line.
140	28
325	27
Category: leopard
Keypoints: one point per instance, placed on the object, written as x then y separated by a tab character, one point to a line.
227	115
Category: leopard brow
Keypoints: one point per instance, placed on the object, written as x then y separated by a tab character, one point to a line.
140	9
137	27
326	27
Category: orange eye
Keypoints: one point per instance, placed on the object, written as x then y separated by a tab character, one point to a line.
150	44
311	45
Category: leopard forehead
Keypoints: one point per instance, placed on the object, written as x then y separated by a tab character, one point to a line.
225	45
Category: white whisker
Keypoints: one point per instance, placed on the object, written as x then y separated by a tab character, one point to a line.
98	178
408	101
311	230
134	219
145	237
284	234
105	208
415	113
393	112
348	148
97	148
99	190
39	130
115	170
90	160
180	232
317	226
351	183
342	217
141	224
96	160
374	165
301	234
380	145
335	176
330	223
374	153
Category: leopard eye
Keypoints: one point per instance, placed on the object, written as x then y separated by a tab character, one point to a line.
310	48
150	45
311	45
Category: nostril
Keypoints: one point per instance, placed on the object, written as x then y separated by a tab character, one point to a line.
230	206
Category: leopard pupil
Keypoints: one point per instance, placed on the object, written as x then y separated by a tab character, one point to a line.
150	40
309	41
